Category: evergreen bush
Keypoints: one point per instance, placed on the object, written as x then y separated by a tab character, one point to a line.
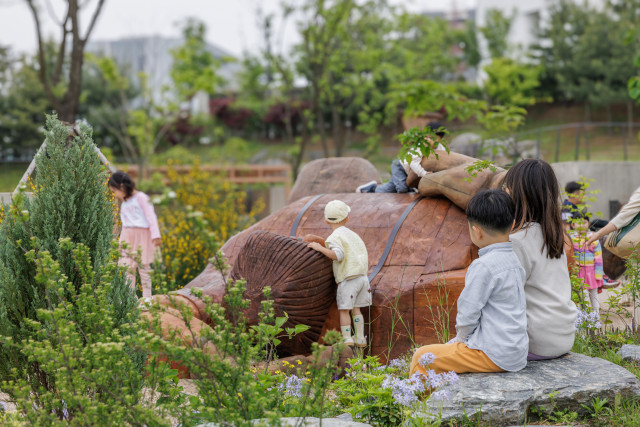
70	201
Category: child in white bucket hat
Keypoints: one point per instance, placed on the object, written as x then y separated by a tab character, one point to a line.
350	266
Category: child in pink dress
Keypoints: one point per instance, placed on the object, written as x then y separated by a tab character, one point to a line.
589	259
139	229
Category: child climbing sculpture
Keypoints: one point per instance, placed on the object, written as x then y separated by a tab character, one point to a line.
350	265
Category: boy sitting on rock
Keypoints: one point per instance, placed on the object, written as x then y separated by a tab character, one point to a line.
491	323
350	265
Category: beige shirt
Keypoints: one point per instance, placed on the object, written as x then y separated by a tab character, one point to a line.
355	261
551	314
628	211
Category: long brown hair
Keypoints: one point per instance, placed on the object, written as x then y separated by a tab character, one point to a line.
534	188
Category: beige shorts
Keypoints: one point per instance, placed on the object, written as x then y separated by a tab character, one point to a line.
353	292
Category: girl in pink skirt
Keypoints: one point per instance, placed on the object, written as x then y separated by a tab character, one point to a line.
139	229
589	258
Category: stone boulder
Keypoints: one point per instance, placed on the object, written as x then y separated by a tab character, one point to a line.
629	352
305	422
466	143
333	175
547	386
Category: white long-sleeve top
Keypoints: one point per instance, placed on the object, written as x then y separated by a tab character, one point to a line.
551	314
137	212
415	164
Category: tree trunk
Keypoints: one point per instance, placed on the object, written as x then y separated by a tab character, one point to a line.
609	118
288	127
338	141
303	145
71	99
319	117
630	119
587	111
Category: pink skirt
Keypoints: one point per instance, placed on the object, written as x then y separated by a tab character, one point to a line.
138	239
588	274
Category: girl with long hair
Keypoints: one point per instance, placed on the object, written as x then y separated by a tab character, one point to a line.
539	242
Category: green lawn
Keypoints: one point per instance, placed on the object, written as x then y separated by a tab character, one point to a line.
10	174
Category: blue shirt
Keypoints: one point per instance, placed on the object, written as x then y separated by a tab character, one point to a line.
492	307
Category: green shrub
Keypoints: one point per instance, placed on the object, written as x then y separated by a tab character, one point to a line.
179	155
233	151
70	201
230	362
79	345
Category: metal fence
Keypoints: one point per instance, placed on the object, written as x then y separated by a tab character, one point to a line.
582	131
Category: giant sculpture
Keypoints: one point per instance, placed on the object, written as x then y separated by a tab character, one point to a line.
418	244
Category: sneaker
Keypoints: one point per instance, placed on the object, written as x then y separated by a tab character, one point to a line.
367	188
607	283
358	342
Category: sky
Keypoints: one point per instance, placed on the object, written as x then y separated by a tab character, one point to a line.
231	24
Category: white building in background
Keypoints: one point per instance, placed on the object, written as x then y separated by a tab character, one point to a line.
152	55
527	18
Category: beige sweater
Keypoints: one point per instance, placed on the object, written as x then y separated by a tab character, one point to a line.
551	314
628	211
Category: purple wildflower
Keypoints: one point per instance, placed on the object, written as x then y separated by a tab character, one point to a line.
399	364
443	394
427	359
587	320
292	386
404	391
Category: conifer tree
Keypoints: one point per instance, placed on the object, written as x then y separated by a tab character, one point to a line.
70	201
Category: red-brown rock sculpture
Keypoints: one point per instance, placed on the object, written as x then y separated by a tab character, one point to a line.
414	292
333	175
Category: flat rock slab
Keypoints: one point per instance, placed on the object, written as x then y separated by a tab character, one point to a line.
629	352
307	422
563	383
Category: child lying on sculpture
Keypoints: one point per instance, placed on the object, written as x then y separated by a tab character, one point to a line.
350	265
400	169
491	323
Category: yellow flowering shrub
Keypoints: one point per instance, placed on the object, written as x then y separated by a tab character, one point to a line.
198	208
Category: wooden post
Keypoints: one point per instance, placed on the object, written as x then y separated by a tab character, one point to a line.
624	145
576	154
586	141
557	157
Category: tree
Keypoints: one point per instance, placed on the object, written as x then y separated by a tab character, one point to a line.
23	105
495	31
70	202
194	67
510	83
584	55
64	93
323	29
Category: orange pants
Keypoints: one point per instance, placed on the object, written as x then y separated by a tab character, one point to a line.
455	357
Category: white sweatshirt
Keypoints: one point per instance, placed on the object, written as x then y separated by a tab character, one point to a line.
551	314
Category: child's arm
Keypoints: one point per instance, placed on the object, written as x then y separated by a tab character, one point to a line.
152	219
325	251
416	166
478	287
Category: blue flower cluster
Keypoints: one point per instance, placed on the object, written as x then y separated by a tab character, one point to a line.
588	320
400	364
292	386
406	391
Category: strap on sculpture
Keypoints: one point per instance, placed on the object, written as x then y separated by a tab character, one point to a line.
296	222
392	238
